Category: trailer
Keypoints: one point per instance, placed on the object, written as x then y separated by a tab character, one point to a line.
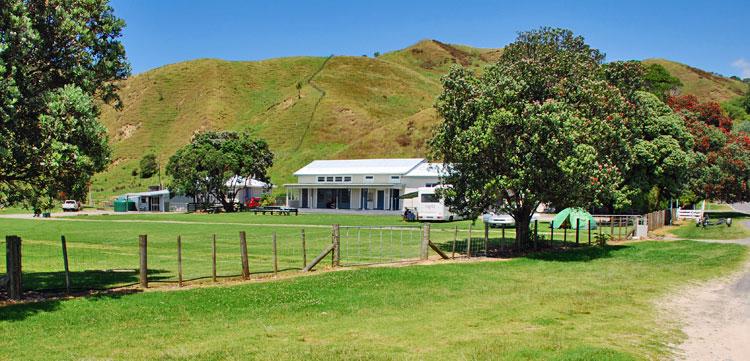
428	206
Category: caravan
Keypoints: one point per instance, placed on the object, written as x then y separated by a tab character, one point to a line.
429	207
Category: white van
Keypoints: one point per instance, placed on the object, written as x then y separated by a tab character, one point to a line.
429	207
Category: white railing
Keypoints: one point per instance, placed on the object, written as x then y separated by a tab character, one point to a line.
689	214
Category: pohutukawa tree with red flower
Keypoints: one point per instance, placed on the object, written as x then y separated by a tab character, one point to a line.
723	168
549	123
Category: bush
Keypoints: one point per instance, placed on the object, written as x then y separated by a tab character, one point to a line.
134	172
149	166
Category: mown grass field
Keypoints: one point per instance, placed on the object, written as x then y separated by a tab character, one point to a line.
103	250
587	304
689	230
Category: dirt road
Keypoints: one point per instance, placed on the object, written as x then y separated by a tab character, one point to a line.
717	317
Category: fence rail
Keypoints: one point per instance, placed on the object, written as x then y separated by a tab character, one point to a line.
78	262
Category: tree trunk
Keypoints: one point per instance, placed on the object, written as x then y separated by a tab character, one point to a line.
523	221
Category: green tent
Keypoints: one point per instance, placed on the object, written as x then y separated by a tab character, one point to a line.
569	216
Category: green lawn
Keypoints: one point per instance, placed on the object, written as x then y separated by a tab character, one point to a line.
580	305
688	230
103	250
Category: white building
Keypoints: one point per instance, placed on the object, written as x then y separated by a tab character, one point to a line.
248	188
360	183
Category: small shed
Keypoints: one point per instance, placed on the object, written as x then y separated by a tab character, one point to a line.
151	201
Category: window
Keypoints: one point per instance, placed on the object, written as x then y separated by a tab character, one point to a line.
395	178
369	179
431	185
321	179
430	198
347	179
339	179
329	179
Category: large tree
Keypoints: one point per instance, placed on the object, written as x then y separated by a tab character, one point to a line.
203	167
723	170
549	124
58	59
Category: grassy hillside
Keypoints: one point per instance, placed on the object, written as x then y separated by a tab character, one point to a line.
348	106
704	85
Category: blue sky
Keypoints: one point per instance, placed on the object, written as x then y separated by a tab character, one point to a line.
714	36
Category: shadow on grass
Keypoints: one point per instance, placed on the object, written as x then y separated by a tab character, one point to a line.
725	214
86	280
44	291
575	254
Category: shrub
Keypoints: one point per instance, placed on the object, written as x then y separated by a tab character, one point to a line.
149	166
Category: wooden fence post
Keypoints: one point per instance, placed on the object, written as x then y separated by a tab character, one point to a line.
213	258
275	256
243	253
336	246
425	242
304	250
619	228
13	265
65	263
486	238
179	261
578	227
589	232
143	248
468	243
502	235
611	228
455	237
551	232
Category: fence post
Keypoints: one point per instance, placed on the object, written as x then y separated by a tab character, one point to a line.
551	232
578	228
486	238
468	243
455	237
143	248
179	261
65	263
304	250
13	264
213	258
275	256
502	242
611	228
619	228
243	252
425	242
589	232
336	246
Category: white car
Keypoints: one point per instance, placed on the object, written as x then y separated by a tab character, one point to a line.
502	219
71	206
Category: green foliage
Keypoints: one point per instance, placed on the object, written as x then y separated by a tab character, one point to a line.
149	166
544	124
267	200
376	54
660	82
204	166
736	110
601	239
56	57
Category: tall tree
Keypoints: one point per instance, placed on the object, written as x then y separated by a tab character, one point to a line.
203	167
723	170
57	58
548	124
660	82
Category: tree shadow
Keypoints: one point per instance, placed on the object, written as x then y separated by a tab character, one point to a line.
575	254
35	303
87	280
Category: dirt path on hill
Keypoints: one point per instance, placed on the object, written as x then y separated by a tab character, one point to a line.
716	317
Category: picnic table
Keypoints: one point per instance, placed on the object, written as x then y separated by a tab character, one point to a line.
275	210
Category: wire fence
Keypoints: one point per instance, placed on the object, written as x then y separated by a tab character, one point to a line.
94	263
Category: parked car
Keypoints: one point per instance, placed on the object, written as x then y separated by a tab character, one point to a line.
71	206
502	219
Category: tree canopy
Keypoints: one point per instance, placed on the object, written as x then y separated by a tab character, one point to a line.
548	123
203	167
57	58
660	82
149	166
723	170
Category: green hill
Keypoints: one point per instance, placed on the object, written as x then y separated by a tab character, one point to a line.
348	107
704	85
